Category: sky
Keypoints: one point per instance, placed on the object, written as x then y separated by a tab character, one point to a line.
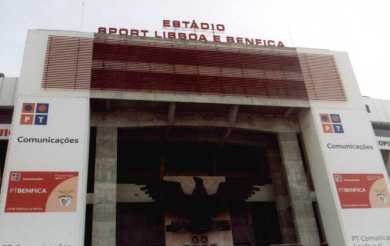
359	27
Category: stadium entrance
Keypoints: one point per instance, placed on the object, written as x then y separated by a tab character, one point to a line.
191	174
157	165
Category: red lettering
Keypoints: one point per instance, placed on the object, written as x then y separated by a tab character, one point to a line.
186	23
204	26
166	23
220	27
192	36
217	38
271	43
182	36
259	42
280	44
134	32
202	37
123	31
249	41
176	23
171	35
156	35
194	25
102	30
112	30
229	39
144	32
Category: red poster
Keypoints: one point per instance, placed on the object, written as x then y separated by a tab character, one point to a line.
362	190
42	192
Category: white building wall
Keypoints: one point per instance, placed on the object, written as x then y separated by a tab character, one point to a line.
379	109
45	114
345	226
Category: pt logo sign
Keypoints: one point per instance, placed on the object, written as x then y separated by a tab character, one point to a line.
34	114
331	123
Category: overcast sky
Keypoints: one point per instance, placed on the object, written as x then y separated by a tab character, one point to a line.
360	27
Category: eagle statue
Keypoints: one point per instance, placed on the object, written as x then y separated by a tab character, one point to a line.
198	208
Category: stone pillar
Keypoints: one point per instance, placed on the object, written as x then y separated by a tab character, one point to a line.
281	196
304	219
104	210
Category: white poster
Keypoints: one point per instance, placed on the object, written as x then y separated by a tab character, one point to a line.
43	193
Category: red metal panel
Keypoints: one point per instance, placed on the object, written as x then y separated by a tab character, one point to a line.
119	65
144	81
105	63
121	52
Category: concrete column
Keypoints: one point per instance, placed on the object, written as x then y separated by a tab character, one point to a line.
104	210
304	219
280	193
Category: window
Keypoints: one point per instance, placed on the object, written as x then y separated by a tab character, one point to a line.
91	160
368	109
88	225
381	129
3	152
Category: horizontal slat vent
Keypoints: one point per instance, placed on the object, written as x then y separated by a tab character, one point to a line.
68	63
321	77
123	64
154	66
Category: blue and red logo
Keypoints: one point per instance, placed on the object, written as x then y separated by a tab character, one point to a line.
34	114
331	123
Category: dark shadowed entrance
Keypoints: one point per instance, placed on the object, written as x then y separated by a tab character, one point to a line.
150	153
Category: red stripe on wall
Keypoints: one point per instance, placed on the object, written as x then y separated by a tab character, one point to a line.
144	81
120	52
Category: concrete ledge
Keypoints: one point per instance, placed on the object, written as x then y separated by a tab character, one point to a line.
197	98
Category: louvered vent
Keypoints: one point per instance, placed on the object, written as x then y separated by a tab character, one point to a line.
68	63
123	64
321	77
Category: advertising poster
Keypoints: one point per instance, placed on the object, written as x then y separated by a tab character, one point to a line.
362	190
42	192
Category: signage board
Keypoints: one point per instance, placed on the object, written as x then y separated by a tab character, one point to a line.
362	190
44	185
353	196
42	192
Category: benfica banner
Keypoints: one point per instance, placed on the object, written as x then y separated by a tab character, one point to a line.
44	185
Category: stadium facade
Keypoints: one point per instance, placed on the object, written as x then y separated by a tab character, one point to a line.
110	139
